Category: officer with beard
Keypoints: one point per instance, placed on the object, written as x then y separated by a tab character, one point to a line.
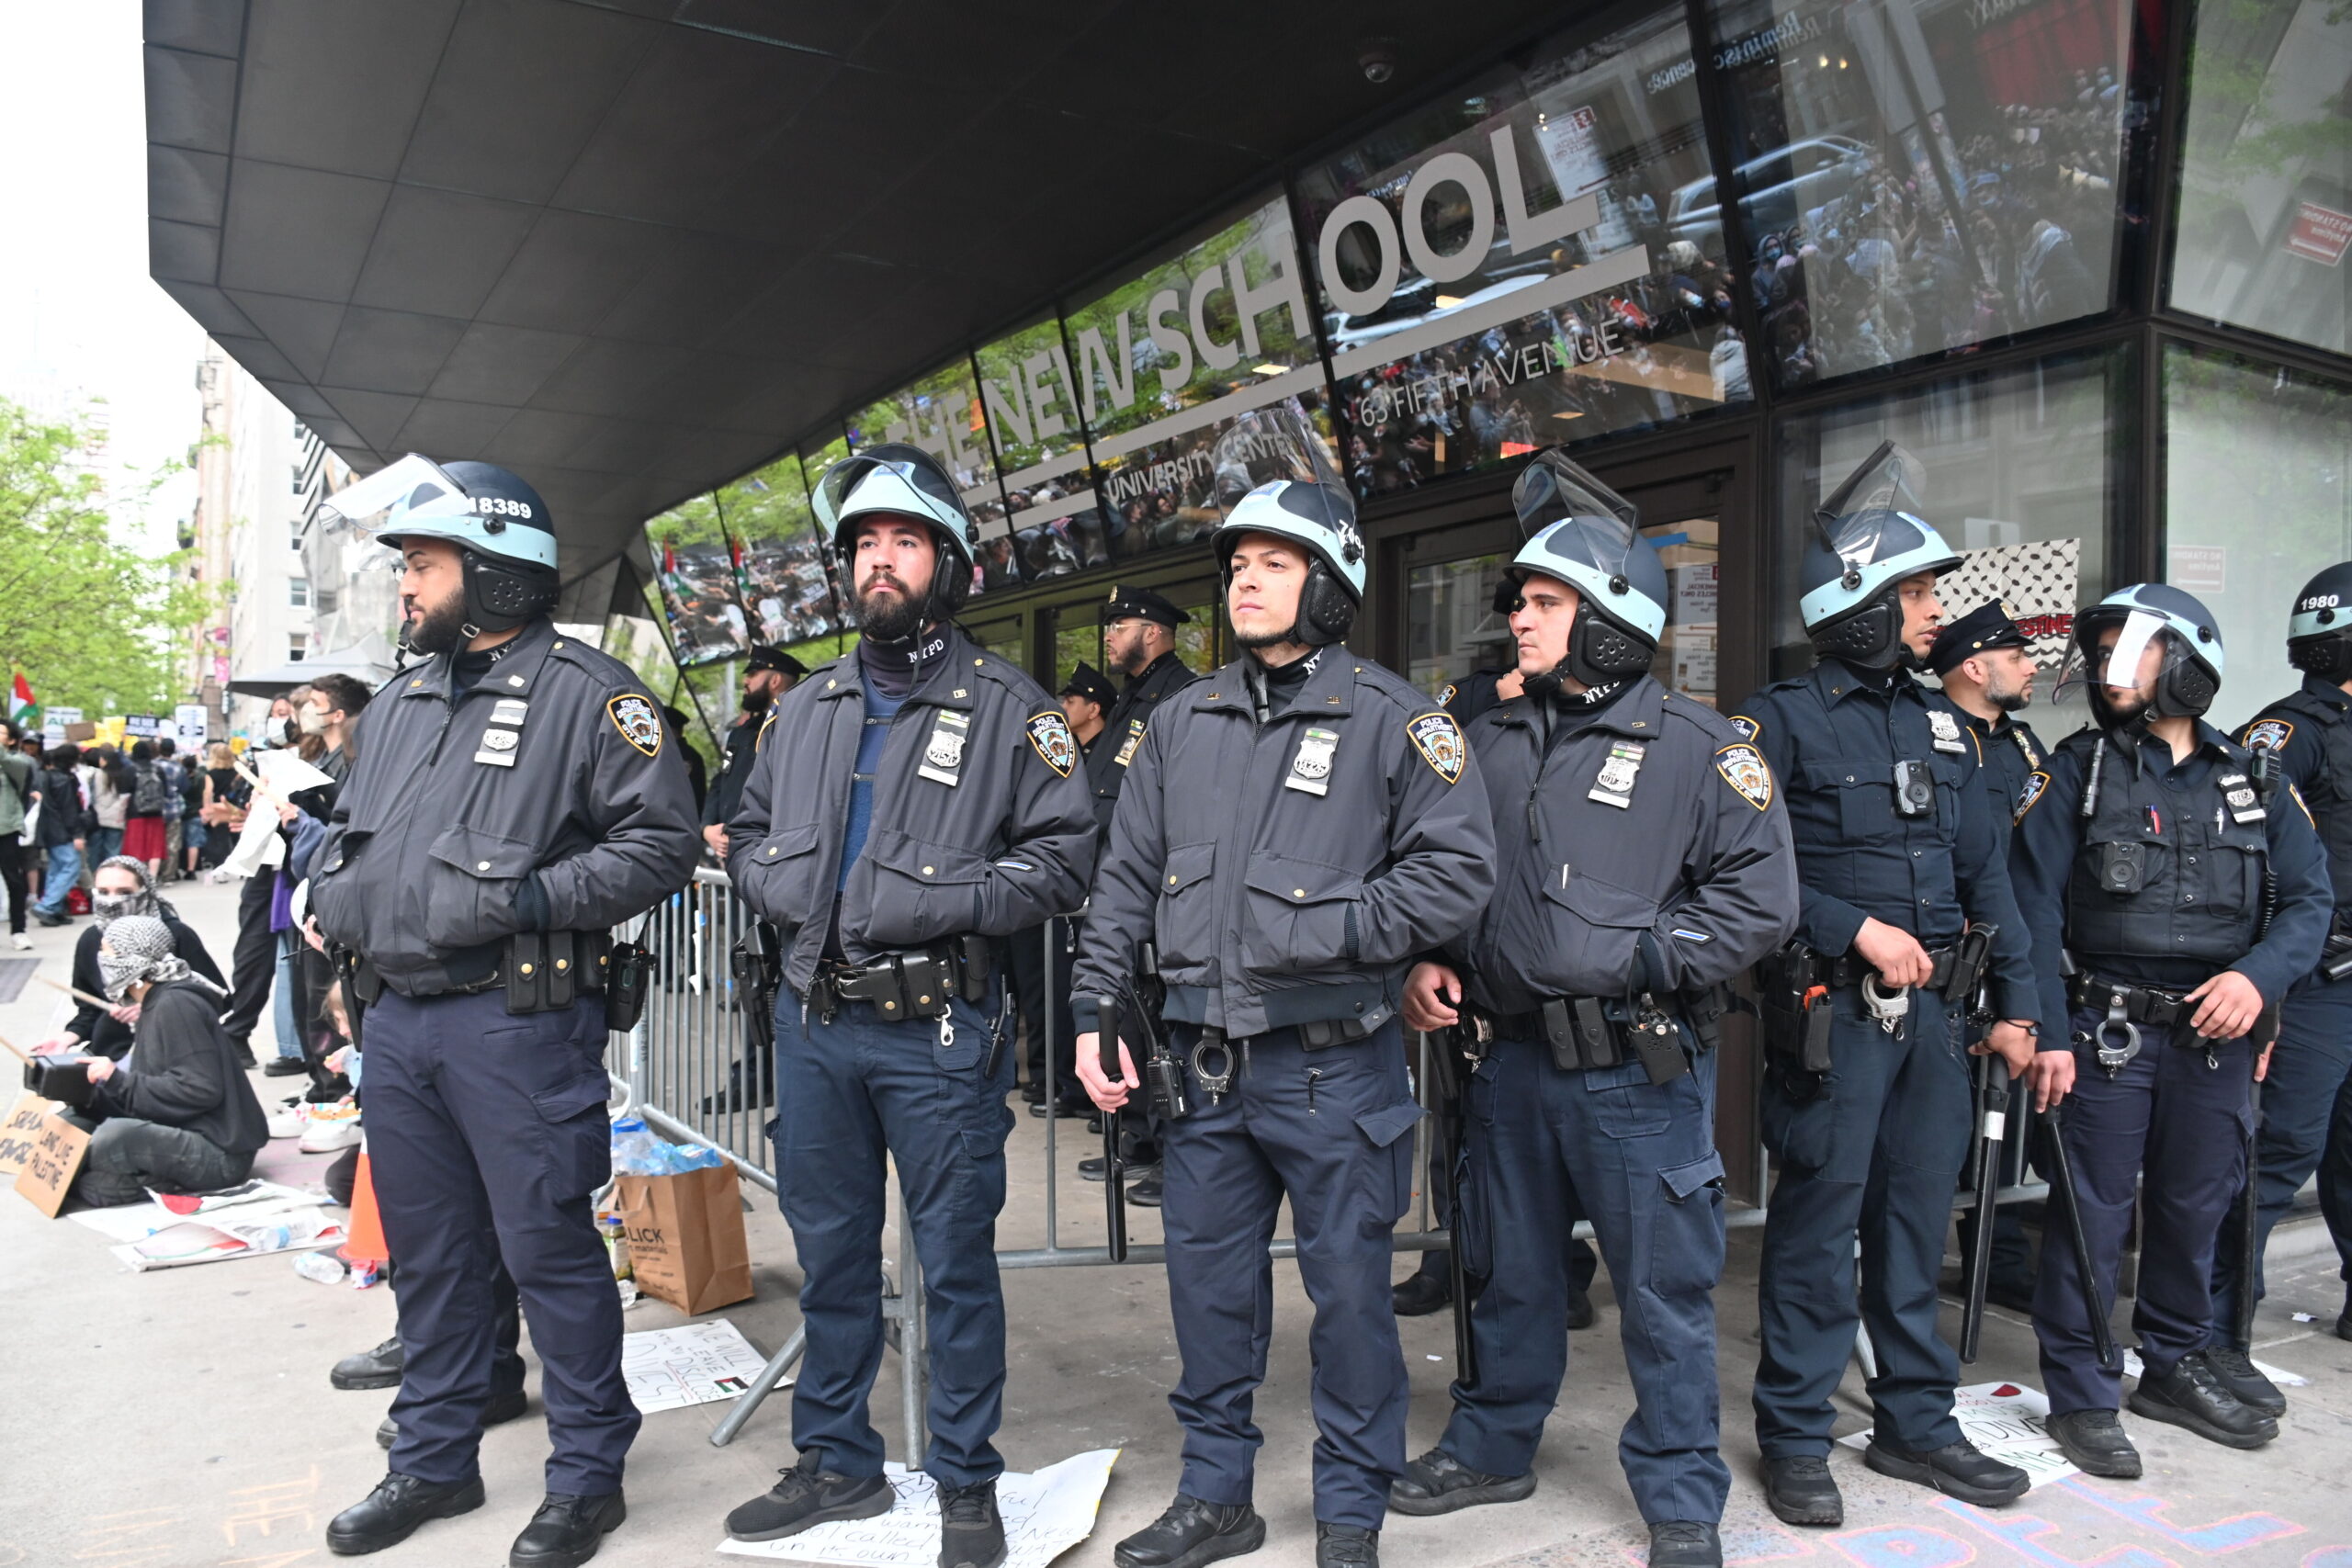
1867	1095
511	799
768	673
914	802
2189	906
1294	829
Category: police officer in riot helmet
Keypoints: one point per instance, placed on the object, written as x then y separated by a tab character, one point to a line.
1646	861
1293	830
1867	1091
2306	1124
514	796
914	804
2189	902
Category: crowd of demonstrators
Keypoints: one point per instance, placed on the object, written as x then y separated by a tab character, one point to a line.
122	887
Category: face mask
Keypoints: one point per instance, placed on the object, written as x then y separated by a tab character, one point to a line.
118	973
312	721
106	906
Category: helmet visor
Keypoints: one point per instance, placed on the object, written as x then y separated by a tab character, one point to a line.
892	478
2143	647
1853	519
1551	488
1266	444
415	493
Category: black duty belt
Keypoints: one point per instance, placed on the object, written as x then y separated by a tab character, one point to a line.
1588	1032
1852	969
917	983
540	971
2115	1038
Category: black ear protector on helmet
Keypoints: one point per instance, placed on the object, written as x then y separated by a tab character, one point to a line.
1869	637
1326	609
501	594
2329	657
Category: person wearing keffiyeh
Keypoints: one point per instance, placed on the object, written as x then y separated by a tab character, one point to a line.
175	1114
120	887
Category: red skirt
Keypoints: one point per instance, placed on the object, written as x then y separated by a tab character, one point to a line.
143	838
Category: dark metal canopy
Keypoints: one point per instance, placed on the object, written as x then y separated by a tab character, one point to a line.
632	248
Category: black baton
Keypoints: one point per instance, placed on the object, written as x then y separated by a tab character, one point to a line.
2061	1183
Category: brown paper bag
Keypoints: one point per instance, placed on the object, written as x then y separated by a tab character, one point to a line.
685	1237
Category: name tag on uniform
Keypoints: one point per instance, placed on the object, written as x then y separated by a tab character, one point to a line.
1127	747
1310	770
1945	731
503	734
942	754
2238	793
1614	787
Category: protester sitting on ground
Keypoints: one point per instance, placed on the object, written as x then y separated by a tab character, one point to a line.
176	1114
121	888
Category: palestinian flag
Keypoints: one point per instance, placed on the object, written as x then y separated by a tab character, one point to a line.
22	703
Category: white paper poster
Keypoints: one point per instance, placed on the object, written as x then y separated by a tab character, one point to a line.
669	1369
2007	1421
1044	1516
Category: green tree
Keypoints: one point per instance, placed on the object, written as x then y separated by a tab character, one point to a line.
92	619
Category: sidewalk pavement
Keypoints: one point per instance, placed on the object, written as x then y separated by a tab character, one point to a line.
183	1419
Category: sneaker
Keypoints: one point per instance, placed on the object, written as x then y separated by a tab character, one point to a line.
1957	1470
1346	1546
1800	1491
329	1128
2189	1394
971	1531
2242	1377
2095	1442
805	1496
1436	1482
1192	1534
19	940
1686	1543
284	1124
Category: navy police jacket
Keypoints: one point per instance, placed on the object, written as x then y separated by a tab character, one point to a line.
1834	736
554	771
1289	871
980	821
1647	850
2308	730
1123	729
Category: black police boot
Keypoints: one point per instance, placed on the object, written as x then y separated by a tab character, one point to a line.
390	1514
1686	1543
1957	1470
971	1532
2189	1394
379	1367
2344	1320
809	1496
1582	1314
1436	1482
1147	1190
1346	1546
1191	1534
1800	1491
1093	1170
567	1531
2238	1373
501	1408
1422	1293
2095	1440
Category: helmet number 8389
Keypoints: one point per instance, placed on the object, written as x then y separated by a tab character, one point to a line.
499	506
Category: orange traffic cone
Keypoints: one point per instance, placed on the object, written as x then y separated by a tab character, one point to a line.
367	1240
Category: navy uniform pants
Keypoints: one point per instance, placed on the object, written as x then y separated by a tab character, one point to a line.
2171	1132
2306	1127
1874	1154
1330	1130
486	1133
854	1096
1642	1156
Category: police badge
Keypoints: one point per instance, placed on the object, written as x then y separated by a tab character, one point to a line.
1744	768
1944	729
942	754
1310	770
639	726
1050	737
1440	742
1127	747
1614	785
2245	806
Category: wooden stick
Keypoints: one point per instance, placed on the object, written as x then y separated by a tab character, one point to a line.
14	1050
77	995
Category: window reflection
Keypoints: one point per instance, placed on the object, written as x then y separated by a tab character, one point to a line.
1917	176
2266	184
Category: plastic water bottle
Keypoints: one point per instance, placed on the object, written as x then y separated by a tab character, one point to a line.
324	1266
635	1149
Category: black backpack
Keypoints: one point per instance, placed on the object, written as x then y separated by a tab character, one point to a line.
147	790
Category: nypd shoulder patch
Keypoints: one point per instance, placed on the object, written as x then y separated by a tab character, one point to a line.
1438	740
1445	698
1050	737
2296	796
1748	728
2034	784
639	726
2267	735
1744	768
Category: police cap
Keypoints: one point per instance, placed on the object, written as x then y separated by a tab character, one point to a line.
1090	684
1126	602
764	656
1981	630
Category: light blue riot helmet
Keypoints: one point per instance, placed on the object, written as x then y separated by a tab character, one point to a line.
1297	495
504	535
2188	676
896	481
2319	633
1587	536
1868	537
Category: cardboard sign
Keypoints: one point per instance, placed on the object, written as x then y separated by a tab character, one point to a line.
686	1244
56	1155
18	1132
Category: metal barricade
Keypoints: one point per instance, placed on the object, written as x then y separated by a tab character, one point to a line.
690	1075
